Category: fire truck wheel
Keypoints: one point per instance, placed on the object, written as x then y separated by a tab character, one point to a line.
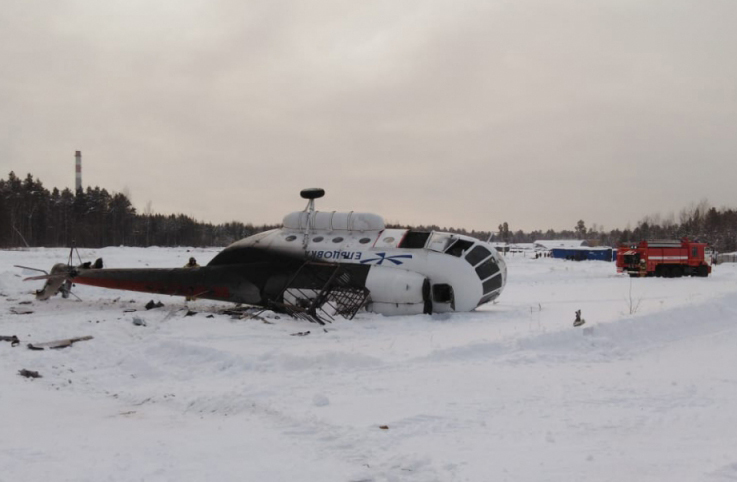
677	271
703	271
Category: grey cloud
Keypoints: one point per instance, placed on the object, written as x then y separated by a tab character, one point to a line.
457	113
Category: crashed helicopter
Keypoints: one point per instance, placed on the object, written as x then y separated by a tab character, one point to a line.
319	265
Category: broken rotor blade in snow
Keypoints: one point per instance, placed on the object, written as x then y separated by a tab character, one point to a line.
29	373
57	343
14	341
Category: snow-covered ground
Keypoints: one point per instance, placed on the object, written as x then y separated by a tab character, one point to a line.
646	390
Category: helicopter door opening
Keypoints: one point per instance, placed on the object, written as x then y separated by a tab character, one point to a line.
414	240
443	293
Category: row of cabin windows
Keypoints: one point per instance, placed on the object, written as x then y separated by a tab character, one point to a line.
317	239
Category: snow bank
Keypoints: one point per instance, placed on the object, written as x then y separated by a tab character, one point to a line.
512	392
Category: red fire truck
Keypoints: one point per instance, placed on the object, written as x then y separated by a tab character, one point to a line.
666	258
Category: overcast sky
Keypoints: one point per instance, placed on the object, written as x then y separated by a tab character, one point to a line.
458	113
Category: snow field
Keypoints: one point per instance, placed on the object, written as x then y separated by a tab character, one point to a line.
646	390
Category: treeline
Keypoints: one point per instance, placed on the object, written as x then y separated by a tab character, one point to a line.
701	222
31	215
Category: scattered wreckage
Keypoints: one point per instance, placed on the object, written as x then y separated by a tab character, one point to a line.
14	341
55	344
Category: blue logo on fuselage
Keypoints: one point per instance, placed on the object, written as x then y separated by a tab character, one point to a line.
383	257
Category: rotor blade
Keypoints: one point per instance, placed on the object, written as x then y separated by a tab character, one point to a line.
31	269
47	276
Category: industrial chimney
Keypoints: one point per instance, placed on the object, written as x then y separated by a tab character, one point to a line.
78	157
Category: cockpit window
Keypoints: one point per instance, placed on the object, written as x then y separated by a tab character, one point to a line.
477	254
456	249
492	284
440	241
487	268
489	297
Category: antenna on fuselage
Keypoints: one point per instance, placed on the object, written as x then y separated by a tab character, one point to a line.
311	194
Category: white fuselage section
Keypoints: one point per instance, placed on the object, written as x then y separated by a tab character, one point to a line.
410	270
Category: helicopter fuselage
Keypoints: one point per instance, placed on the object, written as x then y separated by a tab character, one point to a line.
343	260
409	271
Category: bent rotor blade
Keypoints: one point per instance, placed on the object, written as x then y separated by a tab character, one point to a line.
47	277
31	269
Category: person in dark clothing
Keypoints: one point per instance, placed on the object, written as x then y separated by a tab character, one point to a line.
192	263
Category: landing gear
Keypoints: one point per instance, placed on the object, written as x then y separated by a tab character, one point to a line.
65	289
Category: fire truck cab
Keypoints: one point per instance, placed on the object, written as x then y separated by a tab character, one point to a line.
666	258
